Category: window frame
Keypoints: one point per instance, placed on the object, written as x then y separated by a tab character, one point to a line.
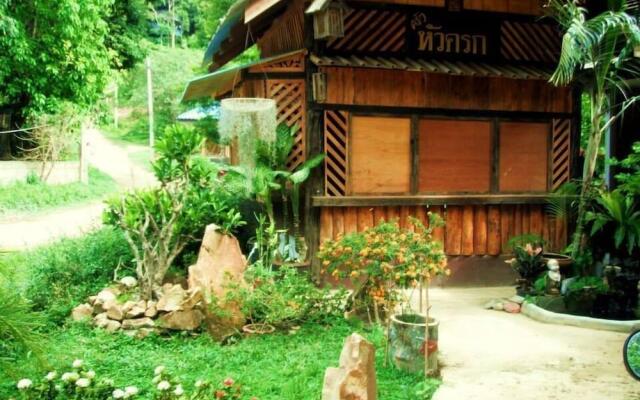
494	147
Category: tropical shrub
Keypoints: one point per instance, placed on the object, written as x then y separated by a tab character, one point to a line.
384	258
19	327
65	273
527	251
620	213
82	383
159	223
285	297
599	51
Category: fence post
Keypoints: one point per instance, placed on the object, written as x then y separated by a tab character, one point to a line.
150	102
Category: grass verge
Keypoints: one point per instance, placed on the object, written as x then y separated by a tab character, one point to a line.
21	197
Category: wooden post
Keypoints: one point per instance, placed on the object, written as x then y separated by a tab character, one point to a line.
150	102
426	330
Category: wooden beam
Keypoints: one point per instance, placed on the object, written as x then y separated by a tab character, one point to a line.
471	199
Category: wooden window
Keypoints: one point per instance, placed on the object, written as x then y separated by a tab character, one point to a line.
380	155
454	156
523	157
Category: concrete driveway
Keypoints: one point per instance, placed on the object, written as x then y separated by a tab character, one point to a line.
493	355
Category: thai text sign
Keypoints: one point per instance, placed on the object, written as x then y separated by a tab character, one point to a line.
453	36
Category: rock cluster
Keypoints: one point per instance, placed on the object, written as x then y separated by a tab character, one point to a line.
355	378
511	305
119	307
219	269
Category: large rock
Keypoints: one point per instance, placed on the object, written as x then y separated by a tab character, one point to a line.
220	263
106	295
135	312
82	312
194	297
189	320
355	378
114	311
172	298
101	320
138	323
151	311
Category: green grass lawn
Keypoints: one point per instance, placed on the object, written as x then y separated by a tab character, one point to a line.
22	197
271	367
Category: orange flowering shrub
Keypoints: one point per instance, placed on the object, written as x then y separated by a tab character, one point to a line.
385	257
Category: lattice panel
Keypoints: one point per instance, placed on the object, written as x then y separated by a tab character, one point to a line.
561	153
290	99
293	63
530	42
371	31
336	148
286	33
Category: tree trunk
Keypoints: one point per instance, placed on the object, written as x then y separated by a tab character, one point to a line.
590	161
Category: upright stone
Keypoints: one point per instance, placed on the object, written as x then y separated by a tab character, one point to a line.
355	378
220	263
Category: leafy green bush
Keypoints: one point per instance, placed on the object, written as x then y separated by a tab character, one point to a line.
285	297
160	223
65	273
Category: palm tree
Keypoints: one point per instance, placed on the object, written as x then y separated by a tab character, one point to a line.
598	53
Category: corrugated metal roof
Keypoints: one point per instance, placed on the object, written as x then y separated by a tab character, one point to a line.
317	5
233	17
466	68
221	82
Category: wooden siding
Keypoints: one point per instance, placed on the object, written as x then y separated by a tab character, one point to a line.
524	156
285	34
460	149
470	230
392	88
528	7
380	160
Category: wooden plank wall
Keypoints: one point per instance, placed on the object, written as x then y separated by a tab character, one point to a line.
393	88
470	230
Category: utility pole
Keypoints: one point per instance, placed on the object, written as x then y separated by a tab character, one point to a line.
150	102
172	14
115	106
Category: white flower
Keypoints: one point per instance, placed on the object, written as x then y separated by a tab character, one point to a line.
70	377
159	369
77	363
91	374
83	383
131	390
199	383
24	384
118	394
51	376
164	385
179	391
156	379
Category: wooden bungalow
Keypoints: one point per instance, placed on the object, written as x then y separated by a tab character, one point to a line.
419	105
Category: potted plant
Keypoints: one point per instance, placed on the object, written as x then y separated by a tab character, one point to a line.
527	261
380	262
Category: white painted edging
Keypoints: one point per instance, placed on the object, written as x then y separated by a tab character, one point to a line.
540	314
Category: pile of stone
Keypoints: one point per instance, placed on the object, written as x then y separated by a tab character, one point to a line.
176	309
219	268
511	305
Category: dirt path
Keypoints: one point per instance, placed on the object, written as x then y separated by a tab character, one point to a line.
28	231
491	355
